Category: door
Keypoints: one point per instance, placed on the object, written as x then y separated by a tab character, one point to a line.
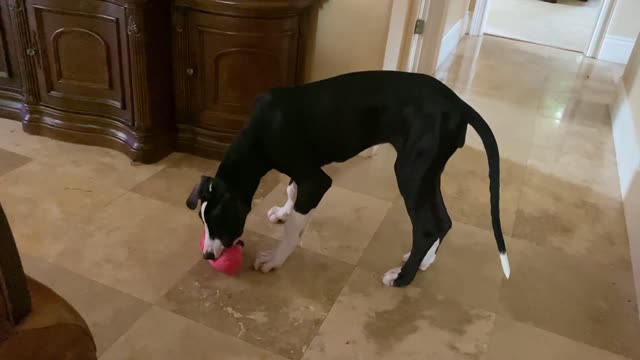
232	60
427	20
419	12
81	56
10	81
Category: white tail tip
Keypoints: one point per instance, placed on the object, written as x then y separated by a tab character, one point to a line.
504	260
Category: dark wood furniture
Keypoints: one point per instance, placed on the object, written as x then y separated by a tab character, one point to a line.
35	322
146	77
10	74
225	53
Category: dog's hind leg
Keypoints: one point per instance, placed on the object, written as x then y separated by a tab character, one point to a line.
278	214
425	241
311	187
443	223
420	194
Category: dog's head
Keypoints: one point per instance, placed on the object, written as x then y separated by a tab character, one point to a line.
222	214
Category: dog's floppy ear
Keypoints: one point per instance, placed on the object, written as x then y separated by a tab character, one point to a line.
199	192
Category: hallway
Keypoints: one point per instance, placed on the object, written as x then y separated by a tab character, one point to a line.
146	293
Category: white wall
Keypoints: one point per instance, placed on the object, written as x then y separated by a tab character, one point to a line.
626	136
622	31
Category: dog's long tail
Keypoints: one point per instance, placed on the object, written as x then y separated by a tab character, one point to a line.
491	147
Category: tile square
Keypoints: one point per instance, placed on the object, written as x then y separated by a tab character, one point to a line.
467	267
174	182
14	139
572	296
371	321
373	176
161	335
465	188
572	218
512	340
108	312
279	311
341	226
47	206
10	161
137	245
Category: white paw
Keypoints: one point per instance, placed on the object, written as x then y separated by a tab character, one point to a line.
428	259
390	276
426	262
279	214
266	262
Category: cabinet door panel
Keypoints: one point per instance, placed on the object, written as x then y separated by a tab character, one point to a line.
234	60
9	72
82	57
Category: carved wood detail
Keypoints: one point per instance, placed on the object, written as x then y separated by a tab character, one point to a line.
100	71
138	56
25	44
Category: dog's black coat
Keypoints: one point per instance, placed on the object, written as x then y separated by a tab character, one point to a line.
298	130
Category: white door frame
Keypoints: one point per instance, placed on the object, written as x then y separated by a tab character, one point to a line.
404	49
481	12
600	29
415	48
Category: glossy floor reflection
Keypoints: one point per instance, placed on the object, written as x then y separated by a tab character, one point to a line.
117	241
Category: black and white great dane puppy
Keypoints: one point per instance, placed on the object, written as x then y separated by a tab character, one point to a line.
297	130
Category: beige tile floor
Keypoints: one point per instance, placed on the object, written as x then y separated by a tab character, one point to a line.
117	241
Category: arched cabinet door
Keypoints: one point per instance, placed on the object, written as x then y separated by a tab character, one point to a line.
225	54
233	61
80	49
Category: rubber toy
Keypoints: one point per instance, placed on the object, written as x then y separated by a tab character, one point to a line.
230	262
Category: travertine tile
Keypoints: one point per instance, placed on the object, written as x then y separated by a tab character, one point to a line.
108	312
370	176
182	172
137	245
341	226
279	311
572	296
10	161
370	321
174	182
517	341
161	335
467	268
573	218
46	206
465	189
12	138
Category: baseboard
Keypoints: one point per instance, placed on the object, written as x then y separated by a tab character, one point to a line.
626	138
450	41
616	49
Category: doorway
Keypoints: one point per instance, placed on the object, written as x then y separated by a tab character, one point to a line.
566	24
576	25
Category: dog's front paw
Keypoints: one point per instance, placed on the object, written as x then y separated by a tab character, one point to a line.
396	278
265	262
390	276
278	214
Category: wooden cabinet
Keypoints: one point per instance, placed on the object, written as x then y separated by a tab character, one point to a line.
146	77
80	56
227	52
10	79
